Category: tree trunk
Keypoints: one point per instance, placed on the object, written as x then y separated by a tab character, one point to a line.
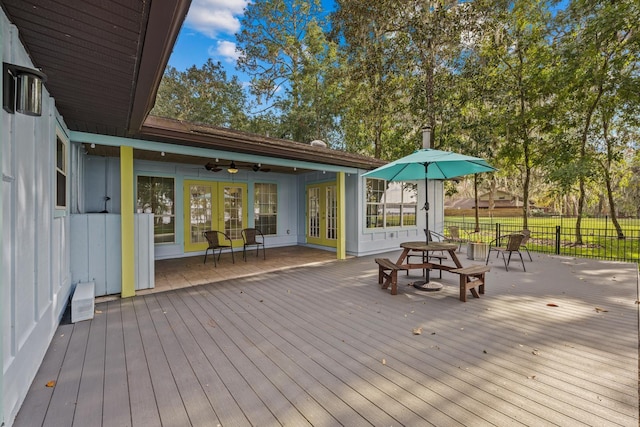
612	213
580	208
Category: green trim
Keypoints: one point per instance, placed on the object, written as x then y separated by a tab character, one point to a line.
127	225
116	141
342	232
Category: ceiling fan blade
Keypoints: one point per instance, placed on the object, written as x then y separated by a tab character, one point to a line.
212	167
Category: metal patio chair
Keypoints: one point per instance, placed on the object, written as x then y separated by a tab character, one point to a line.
217	240
527	236
253	237
513	243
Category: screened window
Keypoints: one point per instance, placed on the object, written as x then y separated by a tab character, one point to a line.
391	204
265	208
61	173
156	195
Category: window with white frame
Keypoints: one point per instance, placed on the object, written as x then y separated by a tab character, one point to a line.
61	172
156	195
390	204
265	208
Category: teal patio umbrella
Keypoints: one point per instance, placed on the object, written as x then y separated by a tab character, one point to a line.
428	163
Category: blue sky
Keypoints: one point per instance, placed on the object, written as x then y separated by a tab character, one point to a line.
209	32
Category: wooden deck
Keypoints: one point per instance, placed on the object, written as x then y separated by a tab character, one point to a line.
324	345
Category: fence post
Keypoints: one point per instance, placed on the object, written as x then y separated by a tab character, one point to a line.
557	240
497	230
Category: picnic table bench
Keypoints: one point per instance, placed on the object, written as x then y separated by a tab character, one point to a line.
470	277
388	272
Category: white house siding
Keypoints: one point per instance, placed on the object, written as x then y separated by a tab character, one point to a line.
35	279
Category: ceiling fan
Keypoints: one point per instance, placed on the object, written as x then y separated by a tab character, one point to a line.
258	167
212	167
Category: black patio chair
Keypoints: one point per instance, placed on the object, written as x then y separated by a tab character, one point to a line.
217	240
513	243
253	237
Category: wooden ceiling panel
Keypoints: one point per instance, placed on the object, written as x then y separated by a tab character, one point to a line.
98	54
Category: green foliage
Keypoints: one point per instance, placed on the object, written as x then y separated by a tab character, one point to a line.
293	66
547	91
202	95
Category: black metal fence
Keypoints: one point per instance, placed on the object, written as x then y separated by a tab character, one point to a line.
600	243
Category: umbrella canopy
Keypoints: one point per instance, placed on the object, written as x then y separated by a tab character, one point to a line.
428	163
431	164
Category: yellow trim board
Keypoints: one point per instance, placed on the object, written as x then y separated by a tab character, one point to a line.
127	225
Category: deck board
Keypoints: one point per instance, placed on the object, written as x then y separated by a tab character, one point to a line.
324	345
223	352
91	391
142	400
63	401
247	366
39	396
197	345
191	393
116	390
170	406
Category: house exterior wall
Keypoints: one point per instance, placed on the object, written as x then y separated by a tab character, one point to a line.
102	179
372	241
35	278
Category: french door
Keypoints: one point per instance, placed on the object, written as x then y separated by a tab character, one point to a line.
213	206
322	214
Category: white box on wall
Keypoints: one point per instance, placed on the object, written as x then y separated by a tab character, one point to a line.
83	302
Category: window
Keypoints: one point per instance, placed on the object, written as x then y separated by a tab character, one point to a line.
265	208
61	172
156	195
391	204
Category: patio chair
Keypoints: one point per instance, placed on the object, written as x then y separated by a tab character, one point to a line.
253	237
432	236
454	236
513	243
527	235
217	240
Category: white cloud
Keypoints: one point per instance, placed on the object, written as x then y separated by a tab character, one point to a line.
213	17
225	49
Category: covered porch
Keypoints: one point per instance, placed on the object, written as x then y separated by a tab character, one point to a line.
324	345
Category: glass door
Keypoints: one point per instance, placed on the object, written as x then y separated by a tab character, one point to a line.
213	206
322	214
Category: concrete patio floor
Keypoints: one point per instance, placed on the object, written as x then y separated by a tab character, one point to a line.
324	345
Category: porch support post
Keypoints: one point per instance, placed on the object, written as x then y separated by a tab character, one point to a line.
341	244
127	223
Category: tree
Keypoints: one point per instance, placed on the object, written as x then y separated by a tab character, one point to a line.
284	49
600	52
375	77
202	95
521	57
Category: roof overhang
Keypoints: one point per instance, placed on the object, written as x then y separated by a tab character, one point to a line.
104	60
168	140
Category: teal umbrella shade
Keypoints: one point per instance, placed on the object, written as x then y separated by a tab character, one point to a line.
426	164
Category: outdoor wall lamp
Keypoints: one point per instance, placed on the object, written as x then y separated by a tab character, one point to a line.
22	89
232	168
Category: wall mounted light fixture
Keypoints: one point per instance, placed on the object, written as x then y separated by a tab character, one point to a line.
232	168
22	89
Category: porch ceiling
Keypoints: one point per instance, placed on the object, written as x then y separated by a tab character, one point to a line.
196	161
104	60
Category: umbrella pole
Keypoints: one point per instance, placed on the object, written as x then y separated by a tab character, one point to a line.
426	285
